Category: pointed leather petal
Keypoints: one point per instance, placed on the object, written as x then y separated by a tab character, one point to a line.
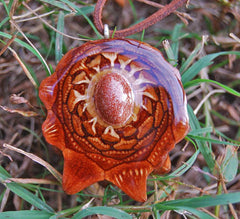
79	172
53	131
131	178
48	91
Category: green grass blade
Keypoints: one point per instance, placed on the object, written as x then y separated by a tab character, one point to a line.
170	53
203	201
182	211
58	4
225	119
185	167
10	3
63	5
201	138
24	193
59	37
142	36
5	6
87	9
201	131
134	12
175	40
25	214
33	74
181	170
4	174
28	47
198	81
109	211
202	63
89	22
29	197
186	64
226	137
80	11
203	147
5	20
229	165
199	202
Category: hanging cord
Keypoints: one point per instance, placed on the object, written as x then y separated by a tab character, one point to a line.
154	18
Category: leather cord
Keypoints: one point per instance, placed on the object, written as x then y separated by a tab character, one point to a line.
154	18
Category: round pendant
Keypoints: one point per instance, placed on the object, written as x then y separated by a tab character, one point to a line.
115	108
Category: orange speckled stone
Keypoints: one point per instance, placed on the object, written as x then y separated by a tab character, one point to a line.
115	108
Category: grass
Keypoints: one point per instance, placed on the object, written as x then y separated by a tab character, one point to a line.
204	182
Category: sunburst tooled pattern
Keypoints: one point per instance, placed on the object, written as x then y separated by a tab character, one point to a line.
115	109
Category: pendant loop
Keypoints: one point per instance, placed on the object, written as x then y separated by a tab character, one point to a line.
106	31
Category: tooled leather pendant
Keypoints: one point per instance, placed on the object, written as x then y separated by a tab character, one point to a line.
115	108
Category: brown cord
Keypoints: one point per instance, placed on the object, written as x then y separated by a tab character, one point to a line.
154	18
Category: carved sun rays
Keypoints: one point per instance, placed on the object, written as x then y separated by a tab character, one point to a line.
137	85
